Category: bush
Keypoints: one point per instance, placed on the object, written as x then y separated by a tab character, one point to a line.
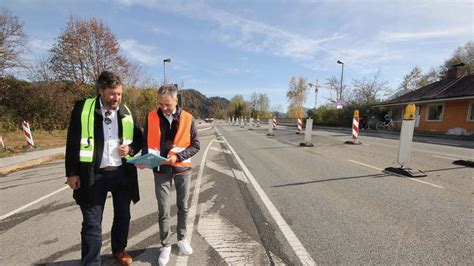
330	116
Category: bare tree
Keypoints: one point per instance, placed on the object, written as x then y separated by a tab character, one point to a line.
333	84
368	90
84	49
40	70
12	41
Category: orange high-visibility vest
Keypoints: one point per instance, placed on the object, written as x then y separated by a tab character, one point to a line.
181	141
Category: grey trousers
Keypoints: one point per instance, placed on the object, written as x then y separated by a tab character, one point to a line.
163	183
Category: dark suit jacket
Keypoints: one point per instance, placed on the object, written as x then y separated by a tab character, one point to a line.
87	171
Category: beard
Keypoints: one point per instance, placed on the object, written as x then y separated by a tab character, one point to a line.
111	104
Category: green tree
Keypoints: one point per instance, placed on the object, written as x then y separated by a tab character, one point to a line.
412	81
238	107
296	95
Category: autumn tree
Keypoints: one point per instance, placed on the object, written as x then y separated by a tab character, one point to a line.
84	49
12	41
296	95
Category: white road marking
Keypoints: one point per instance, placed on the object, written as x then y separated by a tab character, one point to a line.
443	143
216	167
32	203
234	246
370	166
240	175
442	157
204	129
183	260
426	183
221	150
290	236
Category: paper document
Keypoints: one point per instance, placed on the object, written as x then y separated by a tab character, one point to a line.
150	160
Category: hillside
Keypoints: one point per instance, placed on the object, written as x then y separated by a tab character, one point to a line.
200	106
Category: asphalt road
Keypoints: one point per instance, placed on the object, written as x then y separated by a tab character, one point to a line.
265	200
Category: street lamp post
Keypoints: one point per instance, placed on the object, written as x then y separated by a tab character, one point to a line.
339	96
167	60
316	86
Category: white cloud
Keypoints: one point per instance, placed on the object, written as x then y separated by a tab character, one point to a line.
242	33
411	36
142	53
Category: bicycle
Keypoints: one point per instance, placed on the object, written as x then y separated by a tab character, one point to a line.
385	125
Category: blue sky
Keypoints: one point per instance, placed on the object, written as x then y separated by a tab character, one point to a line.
224	48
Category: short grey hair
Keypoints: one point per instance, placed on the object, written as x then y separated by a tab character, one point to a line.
168	89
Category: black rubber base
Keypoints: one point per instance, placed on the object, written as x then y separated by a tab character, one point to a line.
250	128
270	134
405	172
306	144
467	163
299	132
353	142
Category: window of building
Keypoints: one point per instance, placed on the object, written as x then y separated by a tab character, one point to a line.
435	112
470	112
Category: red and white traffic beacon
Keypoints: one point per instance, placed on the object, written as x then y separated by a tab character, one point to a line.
355	129
404	149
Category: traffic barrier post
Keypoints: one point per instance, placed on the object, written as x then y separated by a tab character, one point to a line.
355	129
274	123
308	134
300	126
270	128
258	122
251	123
27	132
404	148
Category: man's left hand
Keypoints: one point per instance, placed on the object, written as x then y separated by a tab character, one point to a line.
171	160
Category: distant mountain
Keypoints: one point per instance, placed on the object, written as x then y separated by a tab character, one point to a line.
200	106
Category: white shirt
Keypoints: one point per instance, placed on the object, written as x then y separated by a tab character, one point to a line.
170	117
110	155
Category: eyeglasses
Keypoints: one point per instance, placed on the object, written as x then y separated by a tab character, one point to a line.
107	119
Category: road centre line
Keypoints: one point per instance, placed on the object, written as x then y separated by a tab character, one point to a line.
370	166
443	143
410	178
290	236
32	203
426	183
183	260
443	157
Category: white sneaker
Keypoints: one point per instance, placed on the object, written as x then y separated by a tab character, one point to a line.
164	255
185	248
